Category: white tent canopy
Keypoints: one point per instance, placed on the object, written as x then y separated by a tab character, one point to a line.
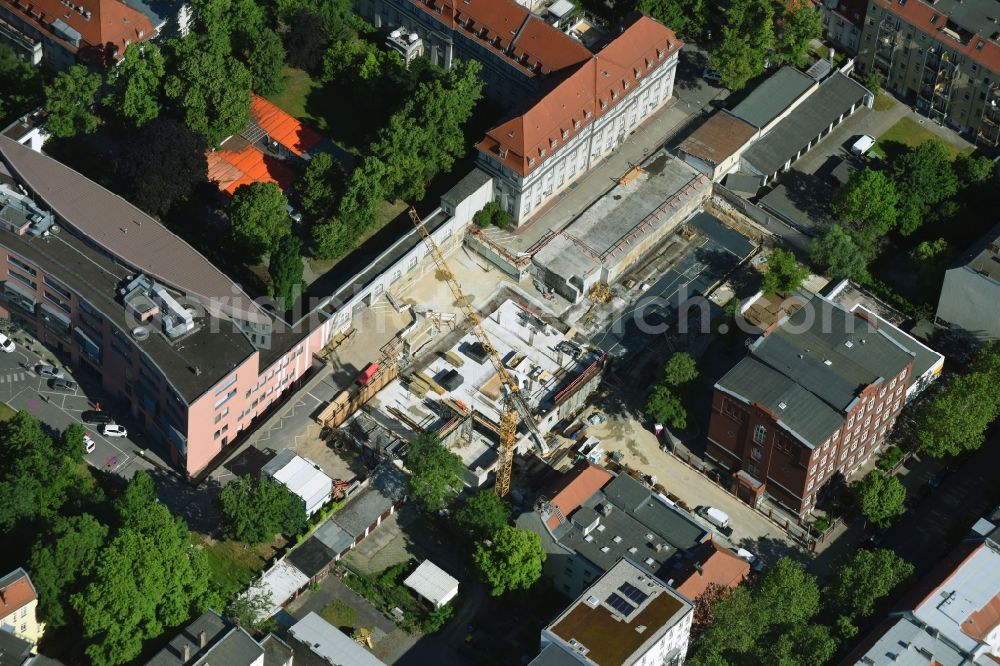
432	583
301	476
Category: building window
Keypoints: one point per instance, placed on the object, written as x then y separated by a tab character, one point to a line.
756	453
23	266
759	433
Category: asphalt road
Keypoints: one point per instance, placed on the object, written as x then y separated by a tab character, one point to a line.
22	388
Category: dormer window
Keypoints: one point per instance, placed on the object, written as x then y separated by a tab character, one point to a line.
510	134
503	153
587	114
614	94
625	85
541	152
531	161
553	143
565	134
604	104
637	72
576	124
659	54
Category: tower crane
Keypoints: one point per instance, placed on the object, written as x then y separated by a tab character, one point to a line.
513	403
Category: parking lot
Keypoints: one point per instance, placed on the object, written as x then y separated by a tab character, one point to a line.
23	389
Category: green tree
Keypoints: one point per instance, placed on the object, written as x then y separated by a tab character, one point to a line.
973	170
264	56
492	214
924	177
148	578
483	514
838	255
800	23
800	644
437	618
867	576
332	239
679	369
931	259
784	273
435	472
249	609
879	499
160	164
210	90
512	561
747	38
258	218
71	441
665	407
321	185
254	510
956	419
69	102
60	560
135	85
20	84
868	204
685	17
285	268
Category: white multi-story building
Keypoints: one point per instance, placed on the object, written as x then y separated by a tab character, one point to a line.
18	601
534	156
626	618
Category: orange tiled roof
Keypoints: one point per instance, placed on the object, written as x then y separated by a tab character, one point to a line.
110	23
980	48
507	28
583	482
718	564
599	84
282	127
244	165
16	592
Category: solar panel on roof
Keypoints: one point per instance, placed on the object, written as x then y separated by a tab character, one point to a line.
633	593
619	604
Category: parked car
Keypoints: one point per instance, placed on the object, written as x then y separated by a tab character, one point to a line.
862	145
717	517
752	560
46	370
93	416
59	384
6	344
114	430
88	443
712	76
942	474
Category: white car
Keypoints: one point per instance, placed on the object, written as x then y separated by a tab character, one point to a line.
862	145
114	430
6	344
88	443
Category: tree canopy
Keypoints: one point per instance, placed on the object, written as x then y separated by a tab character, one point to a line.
254	510
69	102
60	560
685	17
264	56
879	498
956	419
258	218
973	170
512	561
483	514
868	204
492	214
135	85
923	177
836	253
665	407
20	84
160	164
798	24
285	269
857	584
679	369
435	472
784	273
321	185
747	38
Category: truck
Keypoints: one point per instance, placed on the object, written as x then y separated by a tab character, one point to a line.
717	517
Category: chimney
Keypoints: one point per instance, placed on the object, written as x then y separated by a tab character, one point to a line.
185	653
202	639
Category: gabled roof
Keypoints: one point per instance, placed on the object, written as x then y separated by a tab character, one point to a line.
712	563
16	591
582	482
282	127
100	24
239	163
601	82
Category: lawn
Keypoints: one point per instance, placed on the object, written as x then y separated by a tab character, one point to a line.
6	413
292	98
883	101
339	614
910	133
234	565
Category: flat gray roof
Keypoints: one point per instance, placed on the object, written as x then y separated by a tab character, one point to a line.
834	98
773	96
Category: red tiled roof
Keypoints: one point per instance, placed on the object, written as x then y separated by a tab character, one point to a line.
243	164
282	127
980	623
111	23
507	28
524	142
15	594
581	483
718	564
920	15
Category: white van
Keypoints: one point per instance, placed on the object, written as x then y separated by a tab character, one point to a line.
715	516
862	145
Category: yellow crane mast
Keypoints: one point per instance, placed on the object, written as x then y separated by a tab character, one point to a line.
513	403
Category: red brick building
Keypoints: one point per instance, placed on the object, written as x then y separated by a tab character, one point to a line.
815	396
